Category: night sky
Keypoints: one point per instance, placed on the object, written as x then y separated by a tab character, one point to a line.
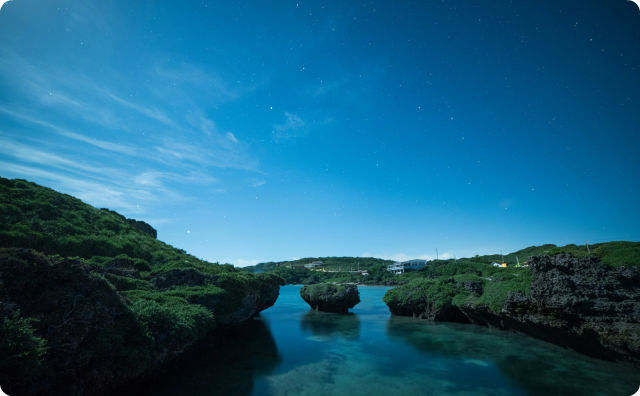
253	131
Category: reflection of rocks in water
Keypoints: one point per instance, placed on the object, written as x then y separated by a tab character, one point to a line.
326	325
533	365
224	364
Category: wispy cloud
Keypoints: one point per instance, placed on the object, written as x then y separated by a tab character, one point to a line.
87	179
232	137
292	122
98	194
105	145
288	128
148	112
182	147
182	81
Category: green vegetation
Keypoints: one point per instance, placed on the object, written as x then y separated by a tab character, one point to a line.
478	284
613	254
58	224
124	251
172	322
175	297
21	348
322	290
329	263
422	291
334	269
442	282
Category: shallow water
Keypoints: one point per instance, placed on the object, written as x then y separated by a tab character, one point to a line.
289	350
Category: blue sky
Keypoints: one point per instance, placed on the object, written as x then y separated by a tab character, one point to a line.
253	131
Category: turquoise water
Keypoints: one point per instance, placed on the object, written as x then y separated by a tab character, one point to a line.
289	350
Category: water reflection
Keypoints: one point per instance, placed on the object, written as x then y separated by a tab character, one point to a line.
327	325
537	367
223	365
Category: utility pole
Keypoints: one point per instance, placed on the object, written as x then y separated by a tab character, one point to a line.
436	253
501	257
588	251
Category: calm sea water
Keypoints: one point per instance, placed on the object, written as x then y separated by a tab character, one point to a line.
290	350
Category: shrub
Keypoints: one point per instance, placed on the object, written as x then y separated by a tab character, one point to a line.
171	322
21	350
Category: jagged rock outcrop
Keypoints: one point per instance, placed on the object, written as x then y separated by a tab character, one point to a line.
329	297
582	304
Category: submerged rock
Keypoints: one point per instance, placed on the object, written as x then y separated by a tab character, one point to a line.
330	297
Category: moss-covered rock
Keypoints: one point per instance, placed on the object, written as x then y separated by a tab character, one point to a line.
329	297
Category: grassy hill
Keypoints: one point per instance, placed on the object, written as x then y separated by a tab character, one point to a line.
174	298
329	263
613	254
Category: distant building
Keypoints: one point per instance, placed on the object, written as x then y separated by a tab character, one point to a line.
314	265
496	264
404	266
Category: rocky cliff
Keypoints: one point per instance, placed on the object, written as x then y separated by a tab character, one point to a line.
329	297
574	302
579	303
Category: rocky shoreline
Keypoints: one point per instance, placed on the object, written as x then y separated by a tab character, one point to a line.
578	303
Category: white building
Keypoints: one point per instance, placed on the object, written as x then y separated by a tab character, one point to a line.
404	266
314	265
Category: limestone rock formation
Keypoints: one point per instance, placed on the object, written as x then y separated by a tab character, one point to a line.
329	297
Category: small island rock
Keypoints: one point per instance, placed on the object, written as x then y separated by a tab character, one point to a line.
330	297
